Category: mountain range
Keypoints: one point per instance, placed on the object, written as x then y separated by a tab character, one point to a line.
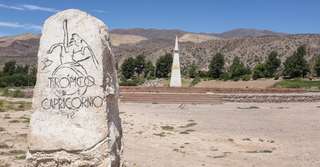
168	34
251	45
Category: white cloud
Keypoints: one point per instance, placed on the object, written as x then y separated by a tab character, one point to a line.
10	7
26	7
39	8
99	11
19	25
10	24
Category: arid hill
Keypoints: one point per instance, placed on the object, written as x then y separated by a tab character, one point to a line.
251	50
22	48
195	47
196	38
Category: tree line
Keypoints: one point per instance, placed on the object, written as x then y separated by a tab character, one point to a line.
136	70
14	75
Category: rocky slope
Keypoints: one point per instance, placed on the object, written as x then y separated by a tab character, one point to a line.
242	32
195	47
22	48
250	49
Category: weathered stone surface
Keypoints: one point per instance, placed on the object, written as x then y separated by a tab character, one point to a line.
76	119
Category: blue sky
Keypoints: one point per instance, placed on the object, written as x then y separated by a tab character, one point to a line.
292	16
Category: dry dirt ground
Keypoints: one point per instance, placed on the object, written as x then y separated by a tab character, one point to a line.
222	135
256	84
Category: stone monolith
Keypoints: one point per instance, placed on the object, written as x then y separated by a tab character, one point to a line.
76	119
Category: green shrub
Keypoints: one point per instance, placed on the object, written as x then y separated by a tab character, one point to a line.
225	76
259	71
195	81
203	74
246	77
235	78
298	83
193	70
237	69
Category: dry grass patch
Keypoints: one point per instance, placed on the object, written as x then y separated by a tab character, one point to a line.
4	164
24	119
6	106
188	125
4	146
251	107
2	129
17	152
21	157
188	131
14	121
162	134
167	128
260	151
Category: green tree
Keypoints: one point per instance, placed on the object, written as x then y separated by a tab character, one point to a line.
216	66
296	65
317	66
193	70
149	70
9	68
140	63
259	71
163	66
17	75
21	69
237	69
128	68
272	64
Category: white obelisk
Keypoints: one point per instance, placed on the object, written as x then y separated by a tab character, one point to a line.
175	80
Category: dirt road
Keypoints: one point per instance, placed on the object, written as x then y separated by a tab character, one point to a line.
174	135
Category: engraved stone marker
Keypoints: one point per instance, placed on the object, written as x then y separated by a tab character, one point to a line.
76	119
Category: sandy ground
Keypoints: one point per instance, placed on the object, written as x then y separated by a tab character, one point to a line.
257	84
222	135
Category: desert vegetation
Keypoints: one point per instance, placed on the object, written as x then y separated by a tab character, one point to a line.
299	83
135	71
14	75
